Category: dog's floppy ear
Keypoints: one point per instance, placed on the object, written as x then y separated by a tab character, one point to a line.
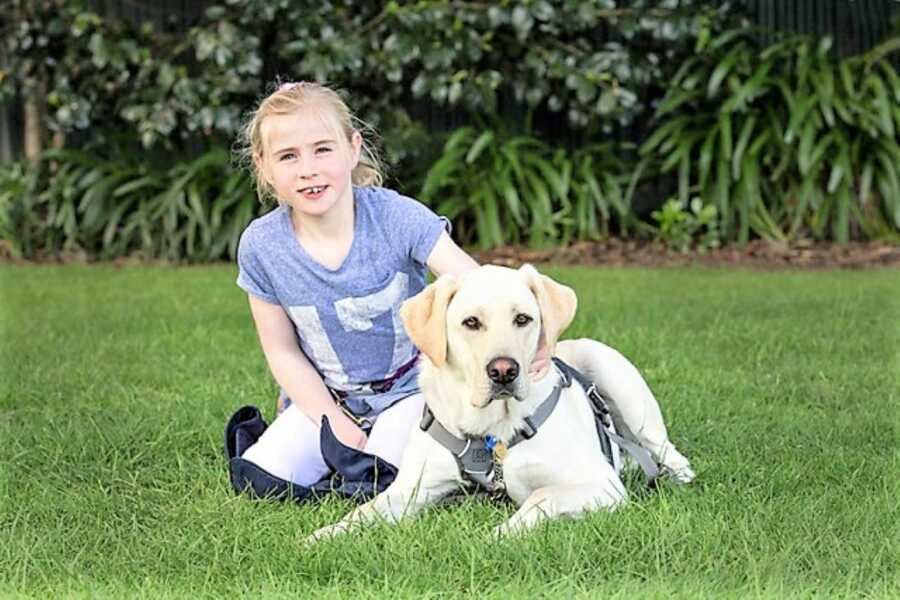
556	301
425	318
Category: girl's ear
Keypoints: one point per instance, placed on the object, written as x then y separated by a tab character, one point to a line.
261	167
356	142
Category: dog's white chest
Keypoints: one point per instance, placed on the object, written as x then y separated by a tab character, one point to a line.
564	451
525	471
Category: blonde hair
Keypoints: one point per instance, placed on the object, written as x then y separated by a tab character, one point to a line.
289	98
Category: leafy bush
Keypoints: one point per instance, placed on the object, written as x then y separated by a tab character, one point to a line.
678	226
500	189
517	59
13	187
477	57
109	78
785	142
150	95
105	207
782	142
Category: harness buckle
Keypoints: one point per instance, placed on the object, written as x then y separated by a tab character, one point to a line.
530	431
598	404
427	419
566	377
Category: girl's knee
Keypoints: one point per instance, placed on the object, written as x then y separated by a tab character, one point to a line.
392	428
290	449
281	403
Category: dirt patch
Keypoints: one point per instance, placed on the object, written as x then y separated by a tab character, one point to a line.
756	254
621	253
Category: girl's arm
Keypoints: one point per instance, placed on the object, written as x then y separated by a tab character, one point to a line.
293	372
448	258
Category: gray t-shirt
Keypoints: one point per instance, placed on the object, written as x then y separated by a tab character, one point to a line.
347	320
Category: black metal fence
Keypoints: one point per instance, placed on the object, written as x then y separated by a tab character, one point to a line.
177	14
855	25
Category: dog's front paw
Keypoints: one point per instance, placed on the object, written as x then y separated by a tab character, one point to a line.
326	533
507	530
682	476
675	467
501	531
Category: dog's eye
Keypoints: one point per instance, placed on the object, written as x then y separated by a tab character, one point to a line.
522	320
471	323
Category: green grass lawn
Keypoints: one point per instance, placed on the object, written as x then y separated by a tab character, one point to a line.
782	389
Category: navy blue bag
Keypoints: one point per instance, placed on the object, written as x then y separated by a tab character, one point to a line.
355	474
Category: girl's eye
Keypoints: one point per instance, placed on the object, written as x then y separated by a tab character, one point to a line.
471	323
522	320
287	156
323	149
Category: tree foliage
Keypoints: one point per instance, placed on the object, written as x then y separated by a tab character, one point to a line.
481	59
785	141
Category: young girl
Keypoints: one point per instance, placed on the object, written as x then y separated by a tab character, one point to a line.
326	273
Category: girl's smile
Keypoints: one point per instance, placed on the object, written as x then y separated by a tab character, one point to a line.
313	192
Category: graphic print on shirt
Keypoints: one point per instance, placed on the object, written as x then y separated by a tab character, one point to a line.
355	314
316	345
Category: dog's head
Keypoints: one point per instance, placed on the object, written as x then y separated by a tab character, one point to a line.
487	325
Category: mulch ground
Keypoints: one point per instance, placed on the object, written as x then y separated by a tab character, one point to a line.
621	253
756	254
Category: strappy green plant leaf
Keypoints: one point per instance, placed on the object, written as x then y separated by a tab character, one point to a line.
526	191
788	142
111	207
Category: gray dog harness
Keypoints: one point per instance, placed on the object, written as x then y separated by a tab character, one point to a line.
480	458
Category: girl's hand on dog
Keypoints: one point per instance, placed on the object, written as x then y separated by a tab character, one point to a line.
541	363
348	432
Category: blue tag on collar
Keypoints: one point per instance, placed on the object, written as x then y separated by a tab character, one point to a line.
489	442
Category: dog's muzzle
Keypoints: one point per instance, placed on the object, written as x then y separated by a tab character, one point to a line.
503	372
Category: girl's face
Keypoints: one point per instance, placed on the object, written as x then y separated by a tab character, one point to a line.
308	161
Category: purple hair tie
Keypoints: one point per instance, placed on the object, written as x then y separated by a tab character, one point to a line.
289	85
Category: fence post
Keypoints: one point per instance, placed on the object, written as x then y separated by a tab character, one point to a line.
6	153
35	107
6	150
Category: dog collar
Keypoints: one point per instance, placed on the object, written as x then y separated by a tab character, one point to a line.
477	457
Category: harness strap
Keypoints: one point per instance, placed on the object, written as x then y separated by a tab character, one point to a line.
472	457
542	412
605	427
598	405
639	454
474	454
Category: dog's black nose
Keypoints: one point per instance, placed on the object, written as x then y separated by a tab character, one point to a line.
503	370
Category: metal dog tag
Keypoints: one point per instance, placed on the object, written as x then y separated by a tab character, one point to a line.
500	450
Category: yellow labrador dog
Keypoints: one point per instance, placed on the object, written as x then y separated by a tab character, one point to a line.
479	333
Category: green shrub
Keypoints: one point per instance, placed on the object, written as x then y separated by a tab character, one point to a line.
106	207
679	227
105	75
110	79
13	187
500	189
784	141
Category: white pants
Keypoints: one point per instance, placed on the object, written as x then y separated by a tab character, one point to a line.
289	449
